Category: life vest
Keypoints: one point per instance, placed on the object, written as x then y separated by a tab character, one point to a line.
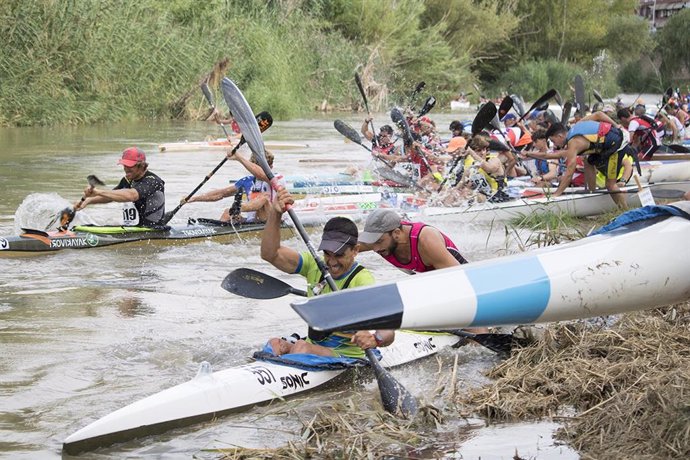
477	175
596	133
416	265
518	138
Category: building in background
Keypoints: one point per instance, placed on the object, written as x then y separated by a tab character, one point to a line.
657	12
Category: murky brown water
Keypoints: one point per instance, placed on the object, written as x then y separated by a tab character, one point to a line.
84	333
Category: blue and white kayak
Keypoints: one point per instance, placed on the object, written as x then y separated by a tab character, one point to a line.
636	266
212	394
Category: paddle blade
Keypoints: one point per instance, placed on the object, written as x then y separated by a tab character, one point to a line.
559	99
399	119
207	94
94	181
580	95
418	89
498	343
250	283
540	102
597	96
395	397
679	148
247	123
358	81
519	104
486	113
347	131
565	116
504	108
428	105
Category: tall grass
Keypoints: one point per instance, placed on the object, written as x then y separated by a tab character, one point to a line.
84	61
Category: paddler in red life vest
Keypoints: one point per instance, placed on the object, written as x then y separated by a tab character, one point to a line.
384	147
605	144
413	247
645	132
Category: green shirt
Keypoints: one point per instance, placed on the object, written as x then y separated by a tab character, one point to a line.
307	267
338	341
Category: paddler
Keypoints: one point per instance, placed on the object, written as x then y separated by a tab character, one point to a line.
340	249
141	192
255	187
604	143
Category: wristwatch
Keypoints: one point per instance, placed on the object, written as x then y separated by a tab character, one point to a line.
377	337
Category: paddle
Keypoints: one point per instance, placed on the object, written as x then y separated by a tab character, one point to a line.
504	108
395	397
428	105
486	113
209	97
518	103
350	133
366	106
597	96
559	99
417	89
264	119
565	115
539	102
679	148
498	343
580	95
66	216
256	285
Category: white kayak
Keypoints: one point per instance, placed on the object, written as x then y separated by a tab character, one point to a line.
575	201
637	266
211	394
222	144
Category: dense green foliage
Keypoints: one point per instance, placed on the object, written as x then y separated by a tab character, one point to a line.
84	61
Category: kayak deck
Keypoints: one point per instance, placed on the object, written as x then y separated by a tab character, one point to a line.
83	237
213	394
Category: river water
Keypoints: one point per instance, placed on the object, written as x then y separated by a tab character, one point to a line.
84	333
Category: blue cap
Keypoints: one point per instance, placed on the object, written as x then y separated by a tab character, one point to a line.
509	116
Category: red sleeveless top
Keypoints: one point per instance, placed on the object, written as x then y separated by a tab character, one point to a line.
415	265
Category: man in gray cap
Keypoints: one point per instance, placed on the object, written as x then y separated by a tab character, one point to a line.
413	247
340	248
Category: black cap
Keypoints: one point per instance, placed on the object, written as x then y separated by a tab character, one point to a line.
339	233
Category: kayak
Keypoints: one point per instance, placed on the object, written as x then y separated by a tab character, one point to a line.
574	201
212	394
223	144
633	265
353	206
87	237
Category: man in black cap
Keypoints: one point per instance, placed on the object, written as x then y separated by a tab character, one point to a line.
340	248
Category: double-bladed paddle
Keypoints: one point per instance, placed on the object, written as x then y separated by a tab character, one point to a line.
395	397
253	284
539	102
366	105
66	216
264	119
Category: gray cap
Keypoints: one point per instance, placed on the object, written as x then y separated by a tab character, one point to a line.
379	222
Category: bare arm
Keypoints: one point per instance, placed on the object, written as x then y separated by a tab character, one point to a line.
433	251
253	168
124	195
215	195
365	129
283	258
571	165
